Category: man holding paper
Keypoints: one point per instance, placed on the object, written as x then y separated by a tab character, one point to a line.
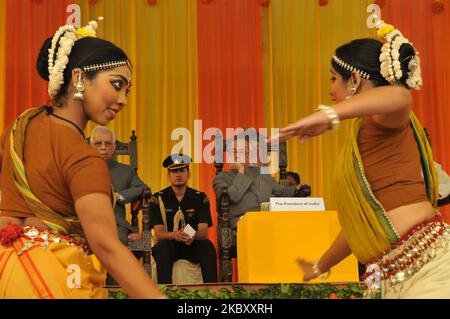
181	216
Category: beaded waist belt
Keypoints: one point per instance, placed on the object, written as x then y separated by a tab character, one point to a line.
402	260
35	236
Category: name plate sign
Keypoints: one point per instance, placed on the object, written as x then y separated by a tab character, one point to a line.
291	204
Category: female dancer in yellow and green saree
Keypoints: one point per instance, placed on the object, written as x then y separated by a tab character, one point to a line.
386	184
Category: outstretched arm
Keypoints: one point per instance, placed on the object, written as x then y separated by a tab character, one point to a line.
97	219
389	106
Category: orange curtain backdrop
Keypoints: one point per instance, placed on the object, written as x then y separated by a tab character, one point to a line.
300	38
429	32
160	41
28	24
2	62
230	78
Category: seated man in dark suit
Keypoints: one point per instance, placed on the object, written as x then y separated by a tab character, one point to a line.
172	209
126	184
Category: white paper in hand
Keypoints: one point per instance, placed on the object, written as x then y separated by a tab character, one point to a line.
189	230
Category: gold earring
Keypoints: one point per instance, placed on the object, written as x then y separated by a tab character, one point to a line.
353	92
79	96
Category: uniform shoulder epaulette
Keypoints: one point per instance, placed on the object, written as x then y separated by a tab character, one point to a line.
165	190
206	199
198	193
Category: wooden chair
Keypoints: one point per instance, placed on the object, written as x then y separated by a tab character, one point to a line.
225	234
142	247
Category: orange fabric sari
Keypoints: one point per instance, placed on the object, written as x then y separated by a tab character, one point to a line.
60	271
41	264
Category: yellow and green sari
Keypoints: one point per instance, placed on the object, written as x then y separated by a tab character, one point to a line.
364	221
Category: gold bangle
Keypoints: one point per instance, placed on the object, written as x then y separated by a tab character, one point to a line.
331	114
318	273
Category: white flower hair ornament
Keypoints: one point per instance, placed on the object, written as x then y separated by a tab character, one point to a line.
66	37
390	67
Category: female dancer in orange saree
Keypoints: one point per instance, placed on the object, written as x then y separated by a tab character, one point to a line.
56	189
386	184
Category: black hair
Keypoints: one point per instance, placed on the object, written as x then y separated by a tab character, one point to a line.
295	176
86	51
364	54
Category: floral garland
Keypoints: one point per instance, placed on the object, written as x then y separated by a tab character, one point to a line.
66	37
391	68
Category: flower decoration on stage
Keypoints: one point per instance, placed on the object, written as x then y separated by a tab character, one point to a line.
323	3
438	6
66	37
92	1
151	2
391	68
380	3
264	3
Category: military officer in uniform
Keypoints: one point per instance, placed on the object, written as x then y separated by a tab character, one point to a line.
172	209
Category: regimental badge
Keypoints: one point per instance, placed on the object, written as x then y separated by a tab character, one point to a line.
154	200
